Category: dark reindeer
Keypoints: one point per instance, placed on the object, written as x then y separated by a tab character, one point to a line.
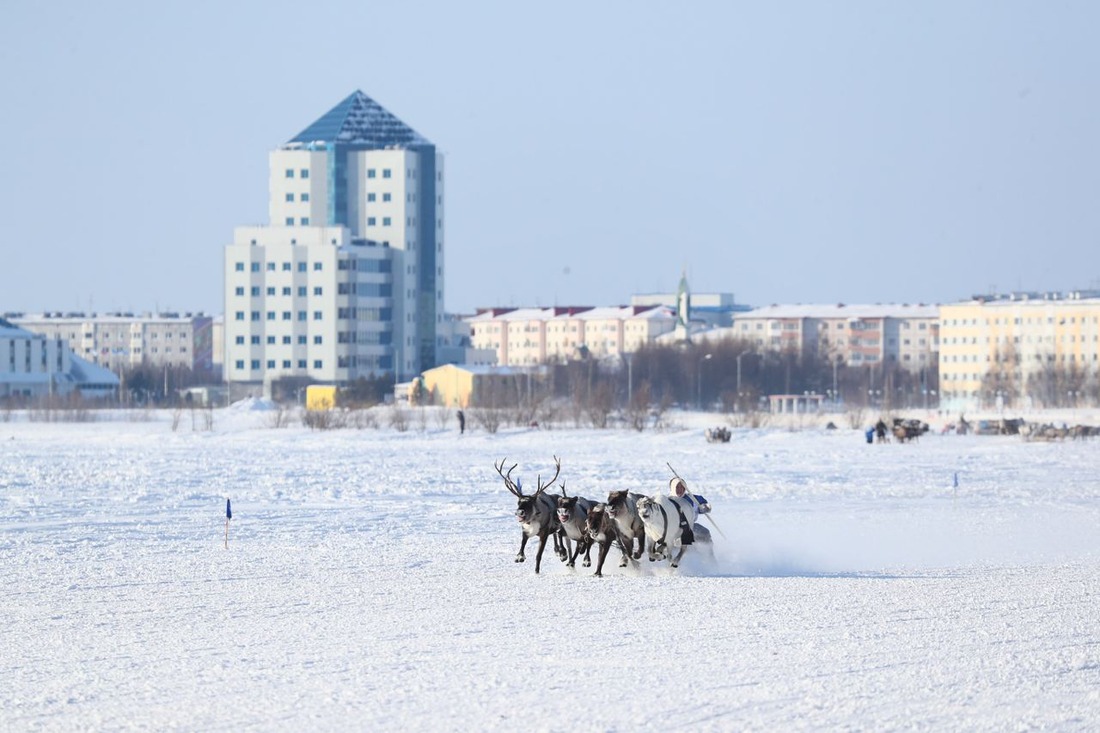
572	511
537	513
601	530
622	507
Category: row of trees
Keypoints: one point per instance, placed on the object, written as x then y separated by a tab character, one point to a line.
728	375
1055	384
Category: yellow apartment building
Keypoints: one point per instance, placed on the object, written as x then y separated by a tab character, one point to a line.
1020	351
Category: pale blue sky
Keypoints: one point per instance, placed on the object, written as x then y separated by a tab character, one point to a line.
782	151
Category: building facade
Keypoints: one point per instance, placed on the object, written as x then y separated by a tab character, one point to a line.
852	335
118	341
346	280
1020	351
35	365
523	337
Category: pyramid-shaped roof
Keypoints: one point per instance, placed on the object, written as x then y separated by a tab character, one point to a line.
359	120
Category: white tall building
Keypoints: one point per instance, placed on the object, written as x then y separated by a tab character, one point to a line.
346	280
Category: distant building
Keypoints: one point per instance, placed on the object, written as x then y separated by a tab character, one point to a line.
852	335
346	280
534	336
121	340
35	365
456	346
711	310
461	386
1020	350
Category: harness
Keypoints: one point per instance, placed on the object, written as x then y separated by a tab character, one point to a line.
683	525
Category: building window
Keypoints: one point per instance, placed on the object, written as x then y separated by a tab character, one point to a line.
238	291
370	221
304	221
286	267
271	267
270	363
286	315
317	364
271	291
239	341
317	315
286	363
255	340
317	340
301	315
290	221
305	172
286	290
371	173
302	342
304	198
370	198
385	197
240	315
301	363
386	173
301	267
302	291
286	340
316	266
254	267
271	315
255	363
271	340
290	197
289	172
317	290
255	315
385	221
255	291
239	267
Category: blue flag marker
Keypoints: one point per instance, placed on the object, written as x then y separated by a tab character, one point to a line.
228	516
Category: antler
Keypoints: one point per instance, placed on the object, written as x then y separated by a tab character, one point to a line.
563	494
542	486
508	477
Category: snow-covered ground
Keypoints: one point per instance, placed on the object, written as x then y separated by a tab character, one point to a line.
369	582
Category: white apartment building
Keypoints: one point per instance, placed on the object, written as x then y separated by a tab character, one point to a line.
119	340
35	365
852	335
346	280
531	336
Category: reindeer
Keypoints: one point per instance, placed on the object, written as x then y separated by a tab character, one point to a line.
536	513
666	518
622	507
572	511
601	530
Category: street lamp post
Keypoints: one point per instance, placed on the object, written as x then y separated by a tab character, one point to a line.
836	361
699	380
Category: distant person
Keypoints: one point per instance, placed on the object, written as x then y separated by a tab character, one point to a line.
880	430
461	422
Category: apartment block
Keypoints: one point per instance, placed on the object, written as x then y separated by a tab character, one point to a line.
120	340
1020	350
851	335
532	336
346	279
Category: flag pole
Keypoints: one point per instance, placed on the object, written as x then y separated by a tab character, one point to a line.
228	516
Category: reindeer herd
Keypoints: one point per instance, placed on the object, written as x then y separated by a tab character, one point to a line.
633	522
